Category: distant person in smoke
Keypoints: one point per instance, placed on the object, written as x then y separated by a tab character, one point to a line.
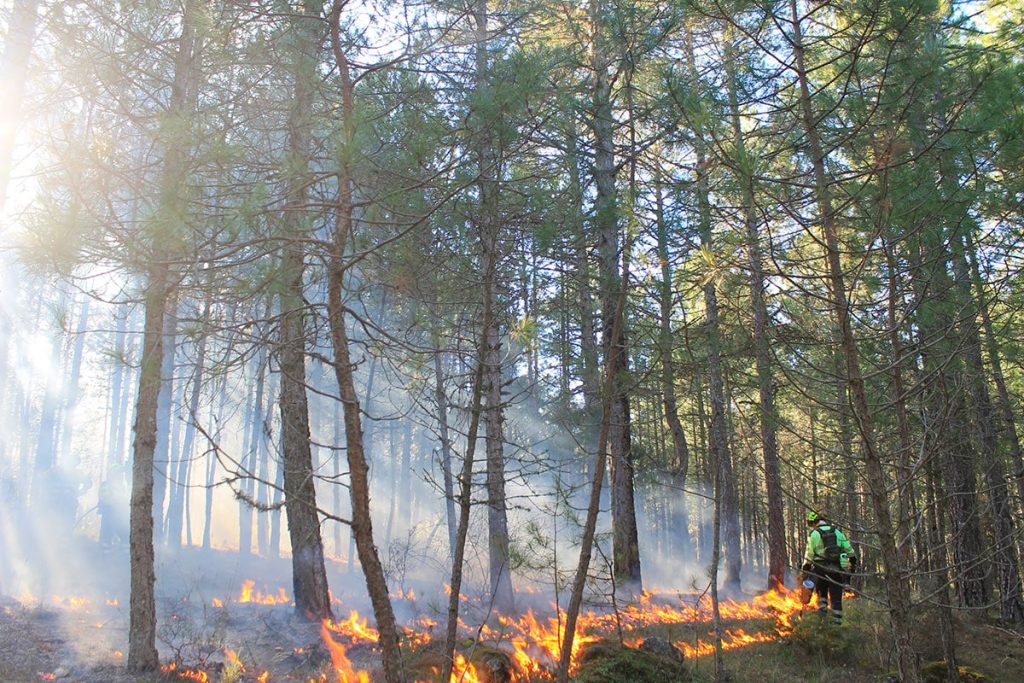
828	561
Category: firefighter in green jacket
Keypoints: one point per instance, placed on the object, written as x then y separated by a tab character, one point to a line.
829	560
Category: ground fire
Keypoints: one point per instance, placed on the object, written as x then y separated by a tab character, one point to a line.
532	643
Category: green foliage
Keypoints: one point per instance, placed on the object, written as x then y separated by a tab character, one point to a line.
935	672
818	635
609	662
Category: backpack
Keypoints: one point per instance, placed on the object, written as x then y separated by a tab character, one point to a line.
832	551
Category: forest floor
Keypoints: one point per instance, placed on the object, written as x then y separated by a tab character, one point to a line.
77	630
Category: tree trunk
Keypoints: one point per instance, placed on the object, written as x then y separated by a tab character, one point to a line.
142	654
118	390
625	543
253	456
681	451
995	360
585	299
13	72
163	455
502	595
905	481
937	563
46	443
309	575
181	477
74	372
611	372
745	166
169	225
1011	606
359	490
465	496
718	433
897	588
441	402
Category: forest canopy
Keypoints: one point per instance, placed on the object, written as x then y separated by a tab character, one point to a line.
582	300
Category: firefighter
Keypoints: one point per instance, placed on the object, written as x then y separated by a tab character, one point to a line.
828	561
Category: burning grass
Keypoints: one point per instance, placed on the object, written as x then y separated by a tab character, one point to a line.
527	648
510	649
764	640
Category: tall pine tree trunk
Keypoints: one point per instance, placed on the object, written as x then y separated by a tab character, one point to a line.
74	371
995	360
441	404
181	475
625	542
1011	606
488	226
254	455
359	488
164	456
718	434
13	72
168	231
680	449
897	588
309	575
745	165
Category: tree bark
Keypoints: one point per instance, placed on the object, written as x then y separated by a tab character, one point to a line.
718	433
142	654
897	588
502	595
905	481
74	372
680	449
359	489
441	403
611	372
167	231
254	456
181	475
585	299
625	542
995	360
465	497
1011	606
164	455
762	352
309	576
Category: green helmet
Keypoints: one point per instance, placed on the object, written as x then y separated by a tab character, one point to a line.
812	516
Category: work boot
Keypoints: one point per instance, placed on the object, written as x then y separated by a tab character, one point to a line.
837	617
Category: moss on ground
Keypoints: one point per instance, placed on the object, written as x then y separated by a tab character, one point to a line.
608	662
935	672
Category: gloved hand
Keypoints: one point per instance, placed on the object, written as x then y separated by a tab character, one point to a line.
807	567
853	563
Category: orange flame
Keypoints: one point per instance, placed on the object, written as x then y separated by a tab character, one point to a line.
247	595
536	643
187	674
339	658
464	672
232	662
355	628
